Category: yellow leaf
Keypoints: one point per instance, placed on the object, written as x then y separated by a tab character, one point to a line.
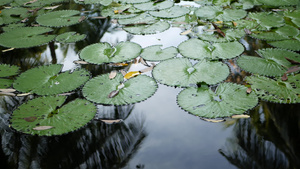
234	23
116	11
219	22
132	74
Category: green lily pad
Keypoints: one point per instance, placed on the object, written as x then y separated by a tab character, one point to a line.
157	27
60	18
282	33
291	44
217	13
12	15
12	26
143	18
38	3
49	111
268	19
272	62
173	12
102	2
230	35
8	70
134	90
4	2
279	3
294	15
276	90
205	50
69	37
151	6
227	100
5	83
25	37
134	1
104	53
155	53
117	11
181	72
47	80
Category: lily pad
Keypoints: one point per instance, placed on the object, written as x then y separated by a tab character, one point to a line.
47	80
291	44
134	1
181	72
33	117
37	3
60	18
25	37
217	13
282	33
276	90
227	100
117	11
155	53
12	15
173	12
8	70
4	2
206	50
294	15
102	2
152	6
279	3
157	27
142	19
268	19
5	83
134	90
69	37
104	53
12	26
230	35
272	62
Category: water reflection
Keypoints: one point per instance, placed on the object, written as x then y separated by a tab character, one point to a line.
98	145
270	139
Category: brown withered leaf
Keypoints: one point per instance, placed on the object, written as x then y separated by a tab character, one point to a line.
249	90
292	61
43	128
284	77
113	93
81	18
293	69
219	30
142	61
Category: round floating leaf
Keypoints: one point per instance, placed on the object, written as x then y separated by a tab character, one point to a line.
5	83
60	18
47	80
8	70
152	6
37	3
69	37
182	73
227	100
4	2
268	19
142	19
102	2
134	1
272	62
155	53
279	3
282	33
119	11
294	15
104	53
276	90
291	44
198	49
157	27
217	13
25	37
104	90
12	26
33	117
173	12
12	15
230	35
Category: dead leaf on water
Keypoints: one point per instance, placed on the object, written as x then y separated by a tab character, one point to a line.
43	128
249	90
241	116
284	77
81	18
112	74
147	69
6	50
186	32
8	90
30	119
132	74
30	2
123	72
52	7
80	62
23	94
293	69
7	94
112	121
142	61
113	94
214	120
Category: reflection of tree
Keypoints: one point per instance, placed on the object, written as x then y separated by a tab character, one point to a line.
98	145
270	140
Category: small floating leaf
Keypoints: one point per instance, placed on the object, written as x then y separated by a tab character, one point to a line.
206	50
291	44
173	12
134	90
8	70
231	35
241	116
59	18
47	116
217	13
132	74
25	37
268	19
156	53
104	53
47	80
200	102
69	37
175	72
152	6
154	28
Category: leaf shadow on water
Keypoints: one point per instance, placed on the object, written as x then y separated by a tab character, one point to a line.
268	140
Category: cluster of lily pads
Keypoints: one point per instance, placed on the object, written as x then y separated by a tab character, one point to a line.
197	64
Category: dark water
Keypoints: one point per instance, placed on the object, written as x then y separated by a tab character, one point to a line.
154	134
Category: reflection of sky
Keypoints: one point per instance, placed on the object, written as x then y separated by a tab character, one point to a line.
177	139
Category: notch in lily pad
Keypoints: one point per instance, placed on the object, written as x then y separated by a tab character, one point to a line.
48	116
180	72
100	53
49	80
116	91
227	100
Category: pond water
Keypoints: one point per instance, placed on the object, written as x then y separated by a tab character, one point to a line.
155	133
